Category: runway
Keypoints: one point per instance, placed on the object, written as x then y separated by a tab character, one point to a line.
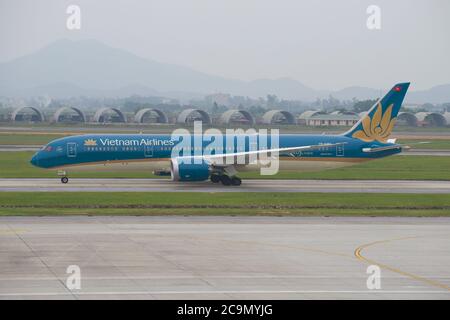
257	185
18	148
426	152
224	257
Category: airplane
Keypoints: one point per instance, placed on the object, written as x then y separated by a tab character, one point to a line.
367	140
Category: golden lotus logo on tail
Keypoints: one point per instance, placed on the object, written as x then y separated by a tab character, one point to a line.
378	128
90	142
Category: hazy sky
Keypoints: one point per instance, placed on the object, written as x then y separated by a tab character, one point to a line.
324	44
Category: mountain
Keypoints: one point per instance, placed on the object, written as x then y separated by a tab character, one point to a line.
436	94
285	88
93	66
68	68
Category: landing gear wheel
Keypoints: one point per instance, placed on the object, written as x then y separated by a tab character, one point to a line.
235	181
64	180
226	180
215	178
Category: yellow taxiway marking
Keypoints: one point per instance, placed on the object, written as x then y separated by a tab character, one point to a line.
384	266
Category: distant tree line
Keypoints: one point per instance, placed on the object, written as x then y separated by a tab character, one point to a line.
214	103
363	105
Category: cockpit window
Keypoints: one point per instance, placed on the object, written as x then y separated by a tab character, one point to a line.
47	148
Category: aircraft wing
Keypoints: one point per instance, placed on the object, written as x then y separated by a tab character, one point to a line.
221	159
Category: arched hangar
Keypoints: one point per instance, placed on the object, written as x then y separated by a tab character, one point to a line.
303	118
158	115
104	115
20	115
278	116
237	116
79	115
407	118
191	115
431	119
344	112
446	115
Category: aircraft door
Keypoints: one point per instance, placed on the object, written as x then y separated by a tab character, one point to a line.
71	149
340	150
148	151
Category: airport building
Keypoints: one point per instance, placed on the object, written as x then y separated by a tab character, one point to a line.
332	120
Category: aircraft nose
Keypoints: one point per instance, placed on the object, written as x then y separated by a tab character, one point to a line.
34	160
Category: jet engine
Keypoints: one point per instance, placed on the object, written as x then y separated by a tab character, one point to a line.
187	170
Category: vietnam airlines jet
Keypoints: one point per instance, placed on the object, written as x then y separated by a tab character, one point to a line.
367	140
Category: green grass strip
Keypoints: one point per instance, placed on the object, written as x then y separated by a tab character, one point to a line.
284	204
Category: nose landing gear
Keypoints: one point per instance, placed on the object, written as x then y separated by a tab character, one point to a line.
63	176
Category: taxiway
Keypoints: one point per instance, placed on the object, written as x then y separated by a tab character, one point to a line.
224	257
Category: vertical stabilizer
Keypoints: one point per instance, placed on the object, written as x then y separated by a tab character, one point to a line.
379	121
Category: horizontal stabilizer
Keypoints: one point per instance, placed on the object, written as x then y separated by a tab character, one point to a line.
394	147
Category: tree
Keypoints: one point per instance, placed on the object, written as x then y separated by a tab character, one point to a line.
428	106
256	110
272	100
215	108
363	105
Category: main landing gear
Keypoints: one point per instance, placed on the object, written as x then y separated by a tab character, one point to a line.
64	180
226	180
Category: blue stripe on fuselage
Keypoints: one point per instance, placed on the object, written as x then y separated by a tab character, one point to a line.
85	149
